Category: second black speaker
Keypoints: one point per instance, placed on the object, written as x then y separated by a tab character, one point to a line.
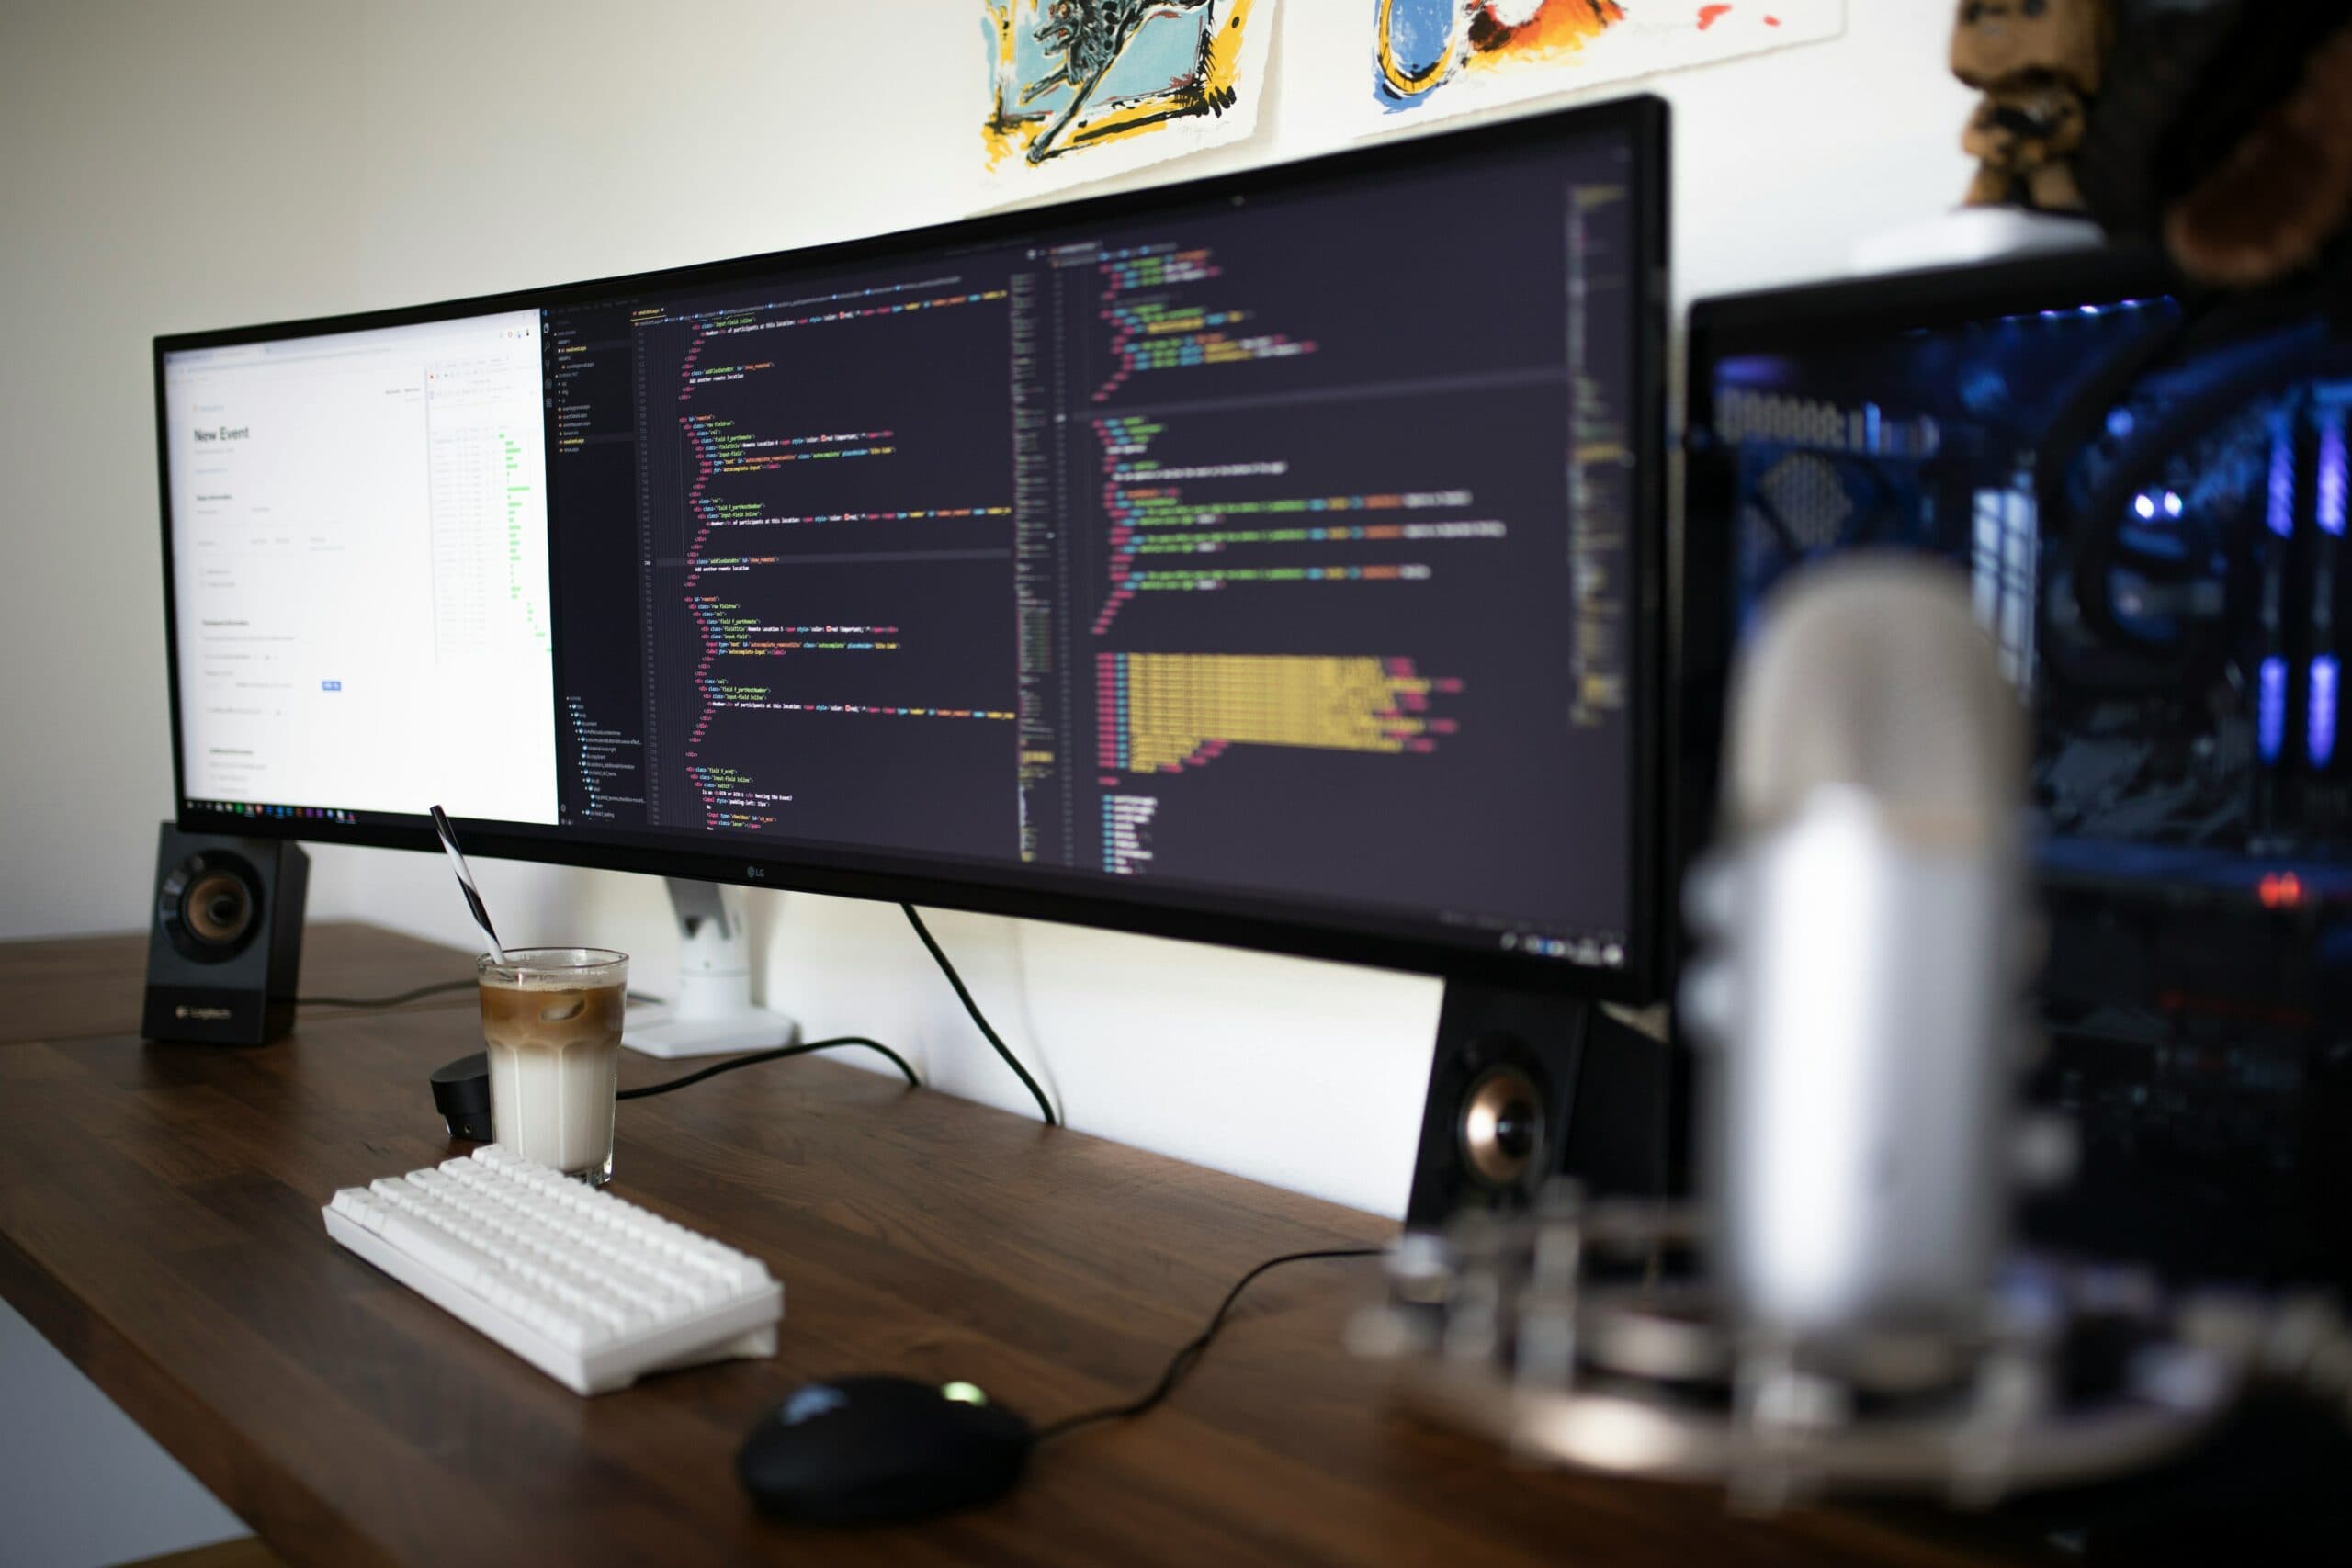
1527	1086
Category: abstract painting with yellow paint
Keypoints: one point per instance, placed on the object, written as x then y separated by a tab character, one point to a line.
1439	57
1084	89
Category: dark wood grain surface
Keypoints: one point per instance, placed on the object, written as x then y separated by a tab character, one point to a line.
159	1222
76	986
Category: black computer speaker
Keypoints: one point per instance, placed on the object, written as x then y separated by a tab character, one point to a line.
1528	1086
224	938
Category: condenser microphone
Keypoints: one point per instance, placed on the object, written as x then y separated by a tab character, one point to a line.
1868	917
1854	1321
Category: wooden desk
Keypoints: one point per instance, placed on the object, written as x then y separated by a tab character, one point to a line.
82	987
159	1222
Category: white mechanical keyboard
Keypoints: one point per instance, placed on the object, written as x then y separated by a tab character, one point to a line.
590	1289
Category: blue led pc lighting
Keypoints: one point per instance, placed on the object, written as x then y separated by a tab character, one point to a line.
2270	715
2333	476
2320	721
2282	485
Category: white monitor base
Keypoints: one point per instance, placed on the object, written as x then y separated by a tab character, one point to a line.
658	1032
711	1013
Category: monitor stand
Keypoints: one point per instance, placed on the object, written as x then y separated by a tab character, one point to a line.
713	1014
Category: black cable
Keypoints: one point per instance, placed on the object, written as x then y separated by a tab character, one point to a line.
401	997
775	1055
1044	1106
390	1001
1186	1359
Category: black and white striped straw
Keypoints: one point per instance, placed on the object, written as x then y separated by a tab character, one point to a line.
465	882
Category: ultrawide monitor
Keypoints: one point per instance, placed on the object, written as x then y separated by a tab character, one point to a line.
1273	559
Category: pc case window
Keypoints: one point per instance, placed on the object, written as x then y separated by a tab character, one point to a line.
360	549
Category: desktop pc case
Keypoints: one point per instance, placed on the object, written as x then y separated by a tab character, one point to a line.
2147	492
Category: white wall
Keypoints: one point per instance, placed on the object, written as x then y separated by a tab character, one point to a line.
174	166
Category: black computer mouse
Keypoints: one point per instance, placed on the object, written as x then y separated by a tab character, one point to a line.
855	1449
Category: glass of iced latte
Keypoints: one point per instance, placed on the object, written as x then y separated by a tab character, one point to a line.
551	1019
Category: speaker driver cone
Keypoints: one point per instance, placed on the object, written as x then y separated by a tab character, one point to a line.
218	908
1502	1127
210	906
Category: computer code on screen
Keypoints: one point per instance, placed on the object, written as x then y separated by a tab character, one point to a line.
1277	547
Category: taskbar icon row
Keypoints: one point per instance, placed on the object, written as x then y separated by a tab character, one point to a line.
1603	952
287	813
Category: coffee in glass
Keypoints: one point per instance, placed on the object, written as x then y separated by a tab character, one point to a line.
551	1020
